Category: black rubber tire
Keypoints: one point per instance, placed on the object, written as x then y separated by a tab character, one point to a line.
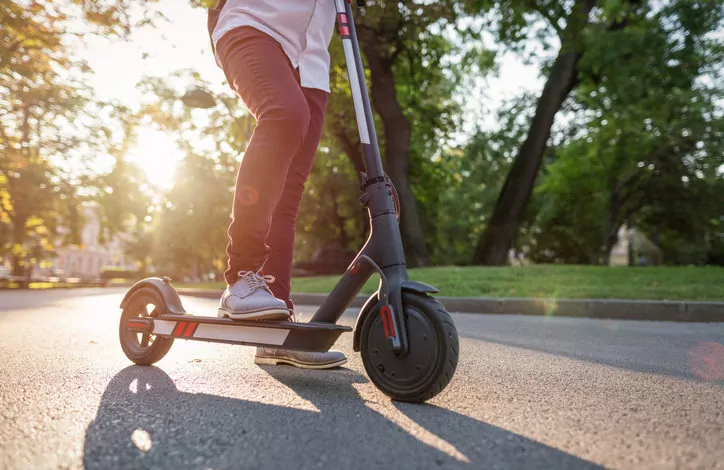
154	352
442	368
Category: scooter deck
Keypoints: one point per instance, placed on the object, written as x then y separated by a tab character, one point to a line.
316	337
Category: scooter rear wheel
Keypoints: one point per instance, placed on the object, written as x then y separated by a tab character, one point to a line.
143	348
430	363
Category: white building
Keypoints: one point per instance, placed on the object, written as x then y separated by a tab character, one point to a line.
88	260
619	253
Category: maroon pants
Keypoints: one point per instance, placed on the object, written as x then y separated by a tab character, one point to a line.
278	159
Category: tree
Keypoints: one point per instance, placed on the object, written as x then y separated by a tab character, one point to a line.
570	22
649	144
45	116
123	194
661	117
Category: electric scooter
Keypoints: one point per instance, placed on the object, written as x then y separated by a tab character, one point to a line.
408	341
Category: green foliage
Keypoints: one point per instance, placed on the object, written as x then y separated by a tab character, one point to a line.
570	206
330	214
5	206
40	104
468	182
190	230
646	144
49	118
118	273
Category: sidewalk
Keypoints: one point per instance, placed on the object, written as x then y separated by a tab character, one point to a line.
653	310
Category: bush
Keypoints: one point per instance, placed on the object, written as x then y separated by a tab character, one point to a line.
120	273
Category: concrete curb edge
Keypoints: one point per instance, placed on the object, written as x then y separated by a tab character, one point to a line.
652	310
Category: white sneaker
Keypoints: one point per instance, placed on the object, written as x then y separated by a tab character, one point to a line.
302	359
250	299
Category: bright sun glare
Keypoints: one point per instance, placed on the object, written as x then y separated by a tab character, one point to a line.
157	154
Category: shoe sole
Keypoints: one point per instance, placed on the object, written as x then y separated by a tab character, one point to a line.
267	314
275	361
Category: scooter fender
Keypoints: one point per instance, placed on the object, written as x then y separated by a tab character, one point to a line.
411	286
170	297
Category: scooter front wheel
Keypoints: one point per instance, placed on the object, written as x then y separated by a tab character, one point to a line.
143	348
430	363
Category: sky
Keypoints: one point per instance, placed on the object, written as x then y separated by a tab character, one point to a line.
181	42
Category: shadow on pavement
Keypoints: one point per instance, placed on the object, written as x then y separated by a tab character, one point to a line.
143	421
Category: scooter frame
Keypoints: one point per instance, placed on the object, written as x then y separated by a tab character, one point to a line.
382	253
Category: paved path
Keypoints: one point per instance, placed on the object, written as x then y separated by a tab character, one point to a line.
529	393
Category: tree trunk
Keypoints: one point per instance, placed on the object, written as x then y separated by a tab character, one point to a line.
197	269
353	149
629	244
17	267
28	272
398	133
350	147
509	212
340	221
18	239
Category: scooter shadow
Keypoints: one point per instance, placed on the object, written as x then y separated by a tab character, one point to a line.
144	421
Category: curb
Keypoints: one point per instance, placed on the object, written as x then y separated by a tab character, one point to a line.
651	310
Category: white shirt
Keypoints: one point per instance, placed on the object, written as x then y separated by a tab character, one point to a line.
303	28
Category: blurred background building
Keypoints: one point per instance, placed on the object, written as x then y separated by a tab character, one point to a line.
88	260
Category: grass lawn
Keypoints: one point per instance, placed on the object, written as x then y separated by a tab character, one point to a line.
554	281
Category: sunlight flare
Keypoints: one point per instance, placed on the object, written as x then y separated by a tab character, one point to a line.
158	155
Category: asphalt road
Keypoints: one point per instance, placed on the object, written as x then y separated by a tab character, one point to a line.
529	393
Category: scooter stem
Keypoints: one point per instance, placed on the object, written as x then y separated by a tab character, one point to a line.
358	86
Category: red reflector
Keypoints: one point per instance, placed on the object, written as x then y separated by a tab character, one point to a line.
387	322
342	18
384	324
179	328
344	30
393	334
190	330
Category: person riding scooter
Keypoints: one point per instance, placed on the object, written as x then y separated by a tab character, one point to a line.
275	56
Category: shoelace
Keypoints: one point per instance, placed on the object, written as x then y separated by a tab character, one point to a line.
255	280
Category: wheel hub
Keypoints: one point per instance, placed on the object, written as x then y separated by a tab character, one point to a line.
412	369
